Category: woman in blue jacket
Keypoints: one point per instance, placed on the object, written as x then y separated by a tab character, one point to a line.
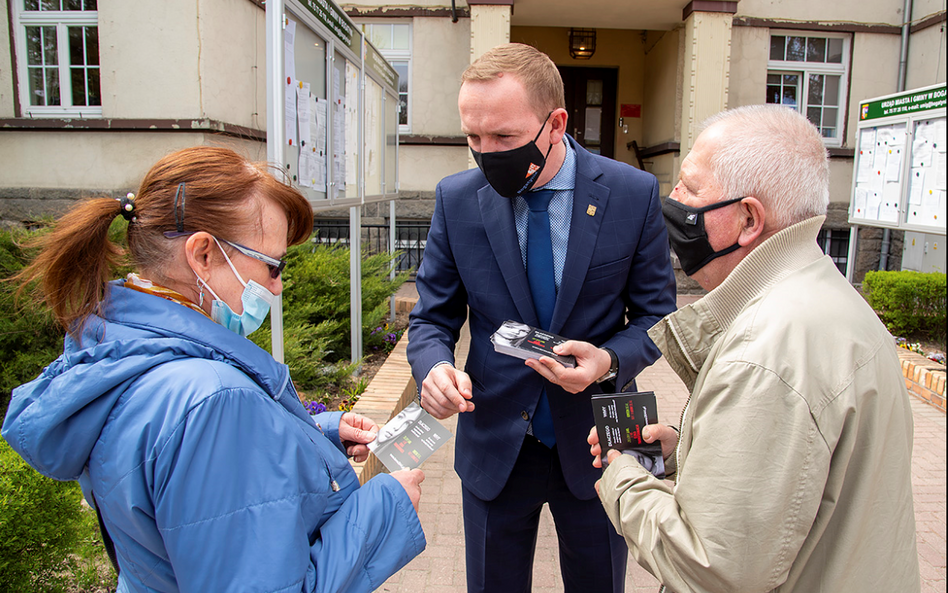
191	441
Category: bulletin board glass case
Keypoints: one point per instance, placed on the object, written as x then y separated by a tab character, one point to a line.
338	98
899	173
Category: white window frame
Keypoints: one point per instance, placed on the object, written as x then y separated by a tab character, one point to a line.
399	55
62	20
804	69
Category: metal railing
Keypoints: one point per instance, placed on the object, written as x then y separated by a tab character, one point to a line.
410	239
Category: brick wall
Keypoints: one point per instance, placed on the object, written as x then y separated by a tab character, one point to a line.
924	378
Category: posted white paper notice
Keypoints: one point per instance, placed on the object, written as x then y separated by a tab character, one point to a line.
289	115
893	164
889	209
860	202
304	114
918	184
289	51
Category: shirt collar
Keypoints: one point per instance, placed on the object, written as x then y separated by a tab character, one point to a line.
565	178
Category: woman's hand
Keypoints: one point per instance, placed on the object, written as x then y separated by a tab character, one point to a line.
411	480
355	431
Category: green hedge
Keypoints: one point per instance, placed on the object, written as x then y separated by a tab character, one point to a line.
42	524
317	329
315	304
29	336
909	303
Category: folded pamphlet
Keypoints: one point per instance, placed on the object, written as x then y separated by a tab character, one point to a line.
620	418
523	341
409	438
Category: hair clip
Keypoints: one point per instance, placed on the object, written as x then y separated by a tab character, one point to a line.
179	219
128	206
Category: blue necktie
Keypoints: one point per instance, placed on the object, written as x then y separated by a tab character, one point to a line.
543	288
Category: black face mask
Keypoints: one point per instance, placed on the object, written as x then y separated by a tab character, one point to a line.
512	172
688	236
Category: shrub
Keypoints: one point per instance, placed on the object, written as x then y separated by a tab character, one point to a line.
316	320
41	522
909	303
30	338
315	301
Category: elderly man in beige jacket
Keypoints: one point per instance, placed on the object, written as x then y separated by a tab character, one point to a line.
793	463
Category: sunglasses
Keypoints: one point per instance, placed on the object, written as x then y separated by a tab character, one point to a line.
274	265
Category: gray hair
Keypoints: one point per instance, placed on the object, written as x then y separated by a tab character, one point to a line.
775	154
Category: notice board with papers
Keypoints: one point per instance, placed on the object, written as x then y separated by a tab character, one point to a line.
900	165
337	145
337	97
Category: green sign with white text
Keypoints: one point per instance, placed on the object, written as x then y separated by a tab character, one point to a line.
378	64
336	21
911	102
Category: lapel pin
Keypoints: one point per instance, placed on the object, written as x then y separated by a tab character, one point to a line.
591	210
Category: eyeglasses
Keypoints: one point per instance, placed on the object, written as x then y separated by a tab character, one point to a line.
274	265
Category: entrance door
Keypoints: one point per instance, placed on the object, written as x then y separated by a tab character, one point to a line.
591	104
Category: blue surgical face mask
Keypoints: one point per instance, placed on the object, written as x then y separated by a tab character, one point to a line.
255	299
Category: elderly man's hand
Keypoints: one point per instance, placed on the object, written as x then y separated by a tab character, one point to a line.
651	433
596	451
591	363
661	432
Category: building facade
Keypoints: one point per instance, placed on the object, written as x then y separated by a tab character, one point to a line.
658	69
92	92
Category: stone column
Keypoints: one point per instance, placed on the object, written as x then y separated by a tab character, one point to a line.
490	24
707	58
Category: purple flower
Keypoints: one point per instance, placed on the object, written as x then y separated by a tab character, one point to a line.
315	407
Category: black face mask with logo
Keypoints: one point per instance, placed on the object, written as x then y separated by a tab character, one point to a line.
512	172
687	234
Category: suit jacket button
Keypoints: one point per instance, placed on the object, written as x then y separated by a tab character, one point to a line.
524	415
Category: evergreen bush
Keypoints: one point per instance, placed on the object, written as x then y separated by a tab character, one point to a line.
316	312
41	523
29	336
909	303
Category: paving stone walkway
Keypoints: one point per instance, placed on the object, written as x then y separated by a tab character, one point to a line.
440	569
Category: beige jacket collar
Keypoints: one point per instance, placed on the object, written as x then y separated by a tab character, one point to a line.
686	336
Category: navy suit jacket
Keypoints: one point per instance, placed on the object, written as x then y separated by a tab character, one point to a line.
617	283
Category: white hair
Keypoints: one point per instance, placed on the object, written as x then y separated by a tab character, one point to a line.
773	153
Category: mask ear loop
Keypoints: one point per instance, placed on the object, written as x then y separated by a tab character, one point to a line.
229	263
536	174
202	285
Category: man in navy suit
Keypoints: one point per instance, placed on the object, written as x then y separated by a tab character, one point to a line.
590	263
